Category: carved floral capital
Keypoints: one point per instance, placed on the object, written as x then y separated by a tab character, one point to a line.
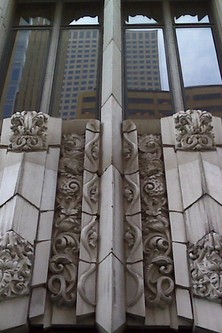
194	130
206	266
16	256
29	131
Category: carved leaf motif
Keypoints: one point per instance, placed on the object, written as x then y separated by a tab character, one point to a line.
16	256
28	131
206	266
66	236
194	130
158	264
89	237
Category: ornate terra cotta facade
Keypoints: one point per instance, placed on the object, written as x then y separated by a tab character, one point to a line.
110	225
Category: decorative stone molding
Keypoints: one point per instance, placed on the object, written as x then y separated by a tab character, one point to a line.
130	149
16	255
28	131
158	264
194	130
89	228
89	238
133	225
206	266
133	238
67	226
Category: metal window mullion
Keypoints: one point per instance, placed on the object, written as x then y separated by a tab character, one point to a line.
173	63
50	68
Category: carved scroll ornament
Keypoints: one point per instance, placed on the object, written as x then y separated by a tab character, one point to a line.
158	264
206	266
194	130
65	240
16	256
28	131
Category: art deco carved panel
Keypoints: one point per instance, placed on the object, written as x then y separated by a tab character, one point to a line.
62	282
158	264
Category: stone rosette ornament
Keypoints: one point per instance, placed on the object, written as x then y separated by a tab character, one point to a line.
29	131
194	130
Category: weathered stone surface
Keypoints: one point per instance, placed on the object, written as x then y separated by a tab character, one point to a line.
112	73
135	290
112	16
111	234
168	131
11	167
111	117
183	301
50	179
18	215
110	295
37	304
207	315
13	313
172	180
191	172
45	226
32	173
86	289
40	271
63	316
177	226
181	272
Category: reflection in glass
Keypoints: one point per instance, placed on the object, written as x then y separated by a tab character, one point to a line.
25	75
190	12
200	69
141	12
75	89
146	74
86	20
35	15
191	19
140	19
83	14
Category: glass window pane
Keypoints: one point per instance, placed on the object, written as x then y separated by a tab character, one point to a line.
146	74
75	89
86	14
35	14
142	13
200	68
25	75
190	12
140	19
